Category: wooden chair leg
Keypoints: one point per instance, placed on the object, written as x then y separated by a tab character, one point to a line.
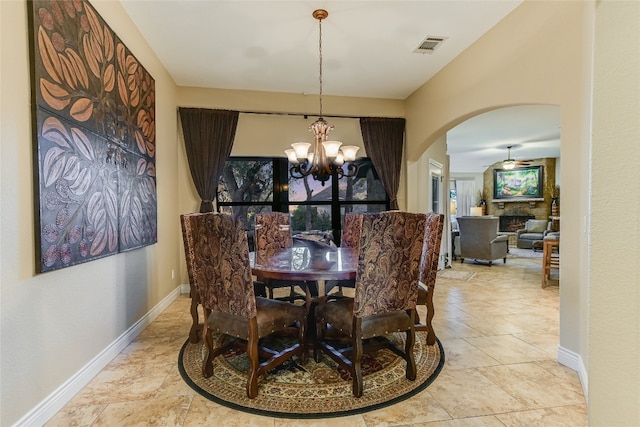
207	365
431	334
302	340
319	338
195	322
357	365
411	360
356	356
254	361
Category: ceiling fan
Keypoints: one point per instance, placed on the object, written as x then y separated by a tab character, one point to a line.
510	163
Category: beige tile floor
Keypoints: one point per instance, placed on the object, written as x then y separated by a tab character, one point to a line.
499	330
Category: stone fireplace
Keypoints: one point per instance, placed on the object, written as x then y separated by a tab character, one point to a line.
511	223
512	209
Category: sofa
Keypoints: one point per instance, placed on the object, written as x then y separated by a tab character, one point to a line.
534	231
479	239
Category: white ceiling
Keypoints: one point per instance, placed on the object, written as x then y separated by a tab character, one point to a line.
367	52
533	132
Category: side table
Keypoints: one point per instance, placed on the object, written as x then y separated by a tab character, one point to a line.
550	259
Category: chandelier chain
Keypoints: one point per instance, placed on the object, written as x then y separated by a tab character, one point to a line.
328	157
320	55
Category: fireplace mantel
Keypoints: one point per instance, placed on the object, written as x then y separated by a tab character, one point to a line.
531	201
540	199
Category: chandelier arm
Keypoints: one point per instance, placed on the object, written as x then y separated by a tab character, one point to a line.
300	170
352	170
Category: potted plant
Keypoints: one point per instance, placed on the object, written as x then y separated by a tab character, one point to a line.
555	202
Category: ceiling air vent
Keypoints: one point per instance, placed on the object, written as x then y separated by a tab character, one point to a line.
430	44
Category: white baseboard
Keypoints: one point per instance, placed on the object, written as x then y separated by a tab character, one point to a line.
46	409
574	361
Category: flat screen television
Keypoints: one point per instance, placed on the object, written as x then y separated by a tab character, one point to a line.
518	183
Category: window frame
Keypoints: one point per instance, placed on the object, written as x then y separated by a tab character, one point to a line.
280	201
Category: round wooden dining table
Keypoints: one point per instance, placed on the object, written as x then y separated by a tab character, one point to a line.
308	263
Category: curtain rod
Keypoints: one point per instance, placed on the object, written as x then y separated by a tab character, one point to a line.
305	115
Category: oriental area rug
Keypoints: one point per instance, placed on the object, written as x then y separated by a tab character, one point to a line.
312	390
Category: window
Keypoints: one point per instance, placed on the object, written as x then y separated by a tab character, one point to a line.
250	185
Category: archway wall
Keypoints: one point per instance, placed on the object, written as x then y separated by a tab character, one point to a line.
534	56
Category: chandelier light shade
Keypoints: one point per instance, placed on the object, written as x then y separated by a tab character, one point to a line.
328	157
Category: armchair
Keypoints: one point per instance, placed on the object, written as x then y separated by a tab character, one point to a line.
479	239
534	231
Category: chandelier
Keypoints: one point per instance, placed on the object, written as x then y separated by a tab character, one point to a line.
328	157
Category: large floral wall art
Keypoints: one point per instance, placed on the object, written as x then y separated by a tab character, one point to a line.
94	138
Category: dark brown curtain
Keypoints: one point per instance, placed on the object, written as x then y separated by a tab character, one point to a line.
208	137
383	141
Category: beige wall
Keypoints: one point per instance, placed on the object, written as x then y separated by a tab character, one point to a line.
418	174
614	300
270	135
532	57
542	53
53	324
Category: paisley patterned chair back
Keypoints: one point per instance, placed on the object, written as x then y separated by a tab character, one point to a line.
272	234
386	291
350	237
217	258
389	262
429	271
431	249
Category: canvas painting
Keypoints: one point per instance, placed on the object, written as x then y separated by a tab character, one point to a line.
519	183
94	138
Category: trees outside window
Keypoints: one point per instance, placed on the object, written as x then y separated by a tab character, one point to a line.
251	185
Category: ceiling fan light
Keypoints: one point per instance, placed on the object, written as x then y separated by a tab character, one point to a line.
509	164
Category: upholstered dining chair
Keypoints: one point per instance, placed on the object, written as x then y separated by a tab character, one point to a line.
349	238
428	272
217	258
273	234
386	290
